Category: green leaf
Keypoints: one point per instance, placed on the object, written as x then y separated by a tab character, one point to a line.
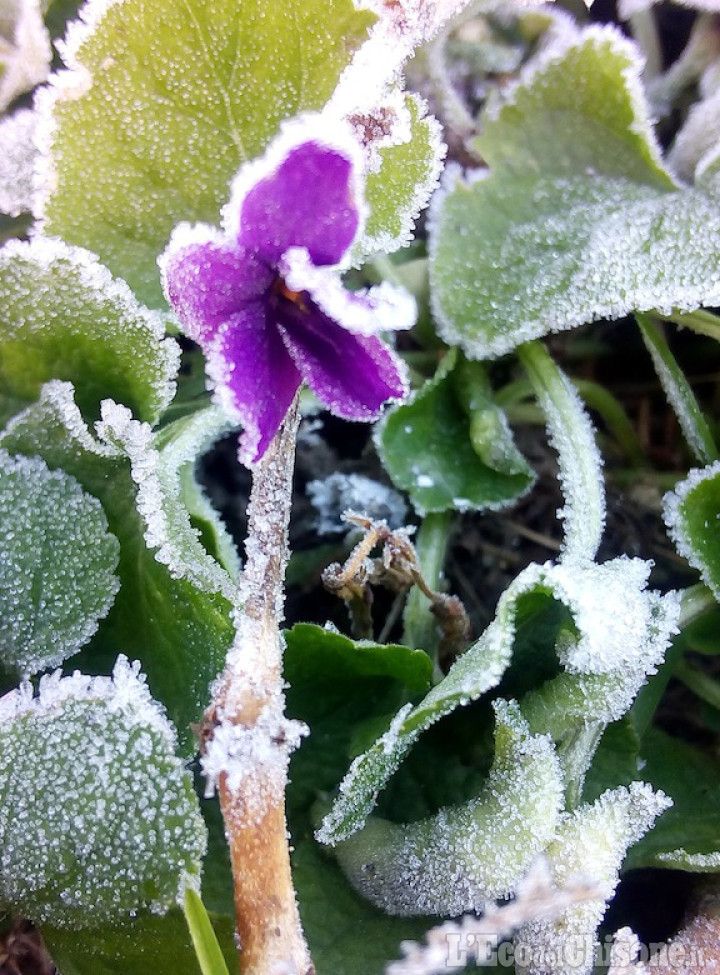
100	818
692	826
464	855
207	948
345	933
160	945
339	687
679	392
167	101
57	568
162	467
450	448
617	635
407	175
578	220
64	317
692	516
179	632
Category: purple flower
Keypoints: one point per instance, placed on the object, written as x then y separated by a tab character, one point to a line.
264	297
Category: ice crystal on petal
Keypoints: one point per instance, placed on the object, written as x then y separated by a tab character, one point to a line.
260	298
57	567
100	819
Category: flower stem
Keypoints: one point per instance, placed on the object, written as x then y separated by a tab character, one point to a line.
248	752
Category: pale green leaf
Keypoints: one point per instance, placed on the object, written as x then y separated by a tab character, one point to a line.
577	219
166	101
99	818
57	568
64	317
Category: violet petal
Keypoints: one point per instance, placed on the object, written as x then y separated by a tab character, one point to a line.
253	375
208	278
309	199
379	309
353	375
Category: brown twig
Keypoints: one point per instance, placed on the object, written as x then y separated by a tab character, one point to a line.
250	740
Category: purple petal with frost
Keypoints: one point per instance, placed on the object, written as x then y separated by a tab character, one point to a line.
254	376
353	375
380	309
309	200
207	279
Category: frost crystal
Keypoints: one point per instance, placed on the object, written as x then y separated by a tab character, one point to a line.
57	567
24	49
17	162
100	819
339	493
253	760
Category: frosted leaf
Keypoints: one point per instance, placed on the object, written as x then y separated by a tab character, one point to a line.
692	516
164	478
577	219
65	317
339	493
618	636
164	102
57	568
591	842
402	176
478	670
464	855
179	632
25	51
17	162
99	815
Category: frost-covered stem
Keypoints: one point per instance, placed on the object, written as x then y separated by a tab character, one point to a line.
573	437
644	29
420	626
695	601
249	751
678	391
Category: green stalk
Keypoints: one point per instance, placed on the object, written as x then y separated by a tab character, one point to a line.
210	957
420	626
571	434
700	321
678	391
699	683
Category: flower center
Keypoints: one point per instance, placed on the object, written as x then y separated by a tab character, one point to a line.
281	291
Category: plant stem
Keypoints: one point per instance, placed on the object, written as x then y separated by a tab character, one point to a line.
699	683
572	436
678	391
420	626
210	957
251	741
700	321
